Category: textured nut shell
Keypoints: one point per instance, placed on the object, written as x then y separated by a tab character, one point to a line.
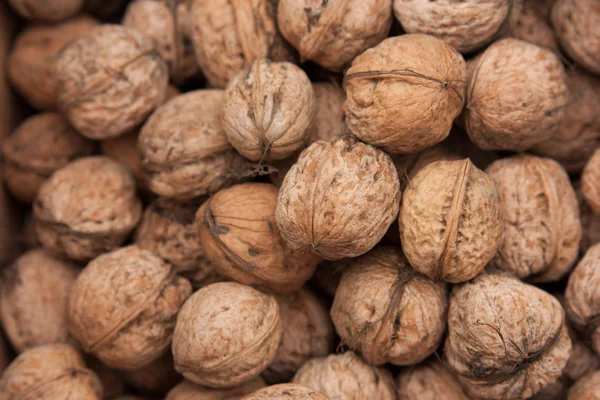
50	372
187	390
80	218
590	223
516	96
506	339
451	220
285	391
542	226
123	149
386	311
404	94
123	306
268	110
30	64
587	388
158	377
39	146
110	80
226	334
429	381
534	27
346	377
590	182
329	120
408	165
339	199
48	11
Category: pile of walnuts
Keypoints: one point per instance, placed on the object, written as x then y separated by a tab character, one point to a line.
304	200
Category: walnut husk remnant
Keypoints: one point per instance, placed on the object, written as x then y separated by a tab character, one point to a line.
587	388
590	182
47	11
429	381
285	391
158	377
123	149
187	390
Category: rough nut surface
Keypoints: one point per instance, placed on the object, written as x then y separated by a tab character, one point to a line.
329	120
47	11
409	165
226	334
404	94
534	27
429	381
451	221
339	199
158	377
590	182
285	391
123	149
123	306
109	81
587	388
187	390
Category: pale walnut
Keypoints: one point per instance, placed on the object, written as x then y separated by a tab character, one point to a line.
158	377
429	381
187	390
124	149
48	10
590	182
587	388
285	391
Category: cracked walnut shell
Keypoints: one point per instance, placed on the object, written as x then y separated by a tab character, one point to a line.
590	182
187	390
285	391
48	10
429	381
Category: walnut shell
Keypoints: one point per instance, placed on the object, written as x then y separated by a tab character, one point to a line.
226	334
590	182
50	372
542	226
39	146
583	359
30	64
346	377
506	339
516	96
158	377
187	390
404	94
123	306
339	199
388	312
80	218
285	391
408	165
554	391
124	149
590	223
587	388
429	381
451	221
110	80
329	120
534	27
47	11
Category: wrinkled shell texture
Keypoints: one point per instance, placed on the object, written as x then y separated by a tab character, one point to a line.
542	226
590	182
404	94
229	35
409	165
33	300
516	96
226	334
587	388
285	391
268	110
577	26
339	199
534	27
78	217
506	339
47	11
240	237
123	307
429	381
187	390
30	64
157	377
451	221
388	312
110	80
346	377
329	120
50	372
39	146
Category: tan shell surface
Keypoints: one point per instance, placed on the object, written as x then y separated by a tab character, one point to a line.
429	381
590	223
450	221
542	226
110	80
158	377
587	388
534	27
590	182
506	339
409	165
583	359
329	120
80	218
285	391
48	11
123	307
404	94
339	199
123	149
226	334
187	390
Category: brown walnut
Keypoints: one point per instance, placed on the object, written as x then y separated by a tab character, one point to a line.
123	149
534	27
329	120
285	391
158	377
590	223
187	390
590	182
429	381
587	388
47	11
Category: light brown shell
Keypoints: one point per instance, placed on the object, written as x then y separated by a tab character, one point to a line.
429	381
339	199
506	339
158	377
48	11
404	94
226	334
534	27
124	149
542	226
229	35
30	63
50	372
110	80
409	165
285	391
268	109
590	223
587	388
39	146
187	390
346	377
590	182
78	217
516	96
450	221
112	382
329	120
388	312
123	306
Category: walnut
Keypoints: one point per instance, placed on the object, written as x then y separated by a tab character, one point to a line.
329	120
47	11
268	110
404	94
516	96
590	187
30	63
123	149
533	27
112	382
339	199
187	390
556	390
226	334
506	339
333	33
346	377
387	311
542	227
123	306
158	377
451	220
587	388
80	218
590	223
583	358
285	391
50	372
109	81
429	381
460	143
408	165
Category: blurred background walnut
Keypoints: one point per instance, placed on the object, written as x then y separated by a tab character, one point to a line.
47	10
187	390
291	391
430	380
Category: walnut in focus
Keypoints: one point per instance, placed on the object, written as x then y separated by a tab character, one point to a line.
409	165
123	149
429	381
187	390
587	388
329	120
590	182
158	377
291	391
48	10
